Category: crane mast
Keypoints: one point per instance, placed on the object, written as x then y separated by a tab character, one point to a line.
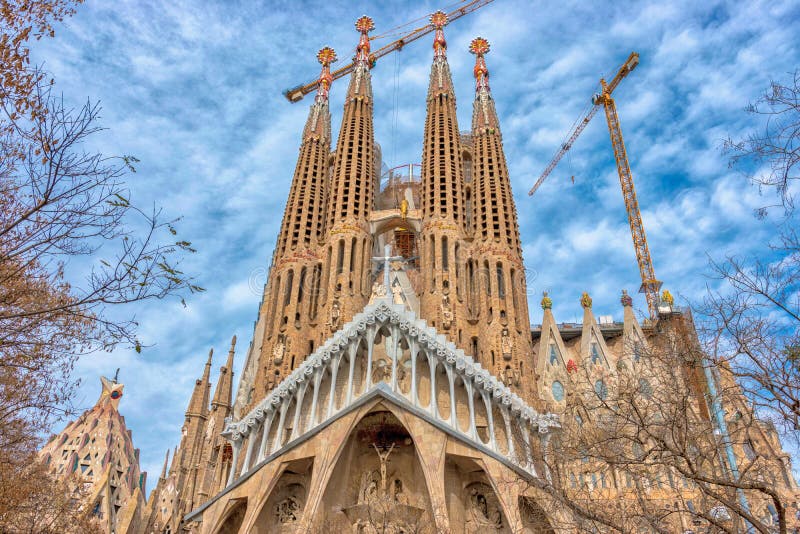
650	284
295	94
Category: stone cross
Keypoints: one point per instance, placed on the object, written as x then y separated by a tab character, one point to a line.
386	259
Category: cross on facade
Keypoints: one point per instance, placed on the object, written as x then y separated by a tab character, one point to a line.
386	259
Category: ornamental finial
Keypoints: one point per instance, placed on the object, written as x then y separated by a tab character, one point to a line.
480	47
438	21
626	299
364	25
325	56
586	300
547	302
667	298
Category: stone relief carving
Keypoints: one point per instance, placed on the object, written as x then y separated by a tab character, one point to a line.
279	350
378	289
287	510
335	315
483	509
447	313
506	344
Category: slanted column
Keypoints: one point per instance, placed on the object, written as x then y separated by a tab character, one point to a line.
452	383
507	421
279	434
334	372
413	351
237	447
489	420
251	444
298	404
262	449
473	432
352	353
395	347
434	408
315	400
526	435
370	347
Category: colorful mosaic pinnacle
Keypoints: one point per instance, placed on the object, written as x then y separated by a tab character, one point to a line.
480	46
439	20
364	25
586	300
547	302
325	56
626	299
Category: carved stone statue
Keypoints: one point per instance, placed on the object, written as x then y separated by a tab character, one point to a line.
397	293
447	313
278	351
483	510
336	313
378	289
506	345
287	510
384	459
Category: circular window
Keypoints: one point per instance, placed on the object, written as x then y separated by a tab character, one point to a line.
601	389
558	391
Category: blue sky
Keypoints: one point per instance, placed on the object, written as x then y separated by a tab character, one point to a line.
194	91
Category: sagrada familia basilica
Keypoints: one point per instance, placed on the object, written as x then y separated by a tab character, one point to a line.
393	372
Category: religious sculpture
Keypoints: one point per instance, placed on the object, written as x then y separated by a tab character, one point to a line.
335	314
447	313
506	345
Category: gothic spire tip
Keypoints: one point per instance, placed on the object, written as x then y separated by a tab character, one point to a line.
438	21
480	47
364	25
325	56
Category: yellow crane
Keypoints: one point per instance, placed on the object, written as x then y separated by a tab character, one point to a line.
650	284
295	94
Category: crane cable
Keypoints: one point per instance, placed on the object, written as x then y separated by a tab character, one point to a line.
394	32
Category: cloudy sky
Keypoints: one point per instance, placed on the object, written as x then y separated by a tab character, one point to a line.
193	89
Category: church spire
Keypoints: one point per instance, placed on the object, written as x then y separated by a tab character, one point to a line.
166	463
360	84
222	394
443	187
351	193
198	405
484	114
318	124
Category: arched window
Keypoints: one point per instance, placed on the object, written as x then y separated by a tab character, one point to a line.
501	281
600	389
558	391
553	353
594	351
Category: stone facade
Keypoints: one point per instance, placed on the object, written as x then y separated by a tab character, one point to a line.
95	454
394	383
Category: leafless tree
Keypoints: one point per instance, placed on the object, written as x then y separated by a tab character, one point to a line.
771	157
640	448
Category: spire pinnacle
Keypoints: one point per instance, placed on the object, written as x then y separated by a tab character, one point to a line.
438	21
166	462
480	47
325	56
364	25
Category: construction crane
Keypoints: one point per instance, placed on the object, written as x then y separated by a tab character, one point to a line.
295	94
650	284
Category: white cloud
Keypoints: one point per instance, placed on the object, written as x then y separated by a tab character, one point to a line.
195	94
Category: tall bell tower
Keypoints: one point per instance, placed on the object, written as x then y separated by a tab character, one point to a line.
500	289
